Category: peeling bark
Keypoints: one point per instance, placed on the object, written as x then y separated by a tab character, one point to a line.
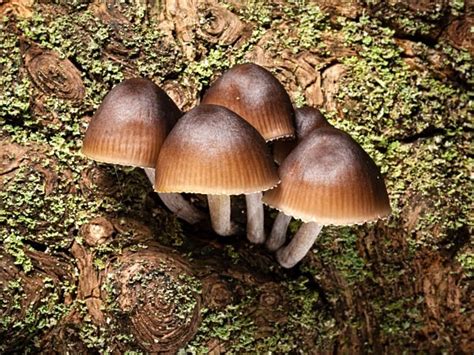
22	294
53	75
150	306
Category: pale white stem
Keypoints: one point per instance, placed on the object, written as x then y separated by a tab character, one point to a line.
278	234
219	209
181	207
176	203
255	227
150	174
299	246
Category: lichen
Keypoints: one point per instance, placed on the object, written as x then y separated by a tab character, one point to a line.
412	124
38	316
235	325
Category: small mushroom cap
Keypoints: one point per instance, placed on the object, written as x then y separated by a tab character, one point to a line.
212	150
282	148
257	96
306	120
131	124
329	179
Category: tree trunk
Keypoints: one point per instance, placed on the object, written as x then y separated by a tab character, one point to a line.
91	260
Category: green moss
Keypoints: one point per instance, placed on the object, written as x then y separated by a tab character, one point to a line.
457	7
28	211
40	316
399	317
202	71
16	90
306	22
235	327
409	21
99	338
14	245
337	247
32	213
385	104
458	59
231	325
232	253
256	11
467	261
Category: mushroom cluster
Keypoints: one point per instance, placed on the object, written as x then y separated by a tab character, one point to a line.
220	148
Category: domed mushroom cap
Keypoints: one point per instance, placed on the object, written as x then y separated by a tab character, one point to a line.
306	120
329	179
212	150
257	96
131	124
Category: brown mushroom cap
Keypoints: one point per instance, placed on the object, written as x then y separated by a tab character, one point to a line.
257	96
306	120
131	124
329	179
212	150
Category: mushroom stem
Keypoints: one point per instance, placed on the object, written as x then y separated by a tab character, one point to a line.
255	227
219	209
278	234
177	203
299	246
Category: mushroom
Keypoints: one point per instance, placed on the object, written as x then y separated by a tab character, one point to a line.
307	119
130	127
220	155
258	97
327	179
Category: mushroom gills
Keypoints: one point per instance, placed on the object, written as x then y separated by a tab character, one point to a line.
176	203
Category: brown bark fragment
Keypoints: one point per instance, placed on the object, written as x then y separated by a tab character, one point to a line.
97	232
20	8
142	282
219	25
347	8
106	11
460	33
184	95
180	18
32	292
330	86
11	157
216	293
54	76
89	282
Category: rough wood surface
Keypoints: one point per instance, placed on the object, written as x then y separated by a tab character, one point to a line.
91	261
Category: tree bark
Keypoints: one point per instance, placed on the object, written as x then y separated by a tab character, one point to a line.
90	262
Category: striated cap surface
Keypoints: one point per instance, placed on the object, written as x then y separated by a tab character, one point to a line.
257	96
212	150
131	124
329	179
